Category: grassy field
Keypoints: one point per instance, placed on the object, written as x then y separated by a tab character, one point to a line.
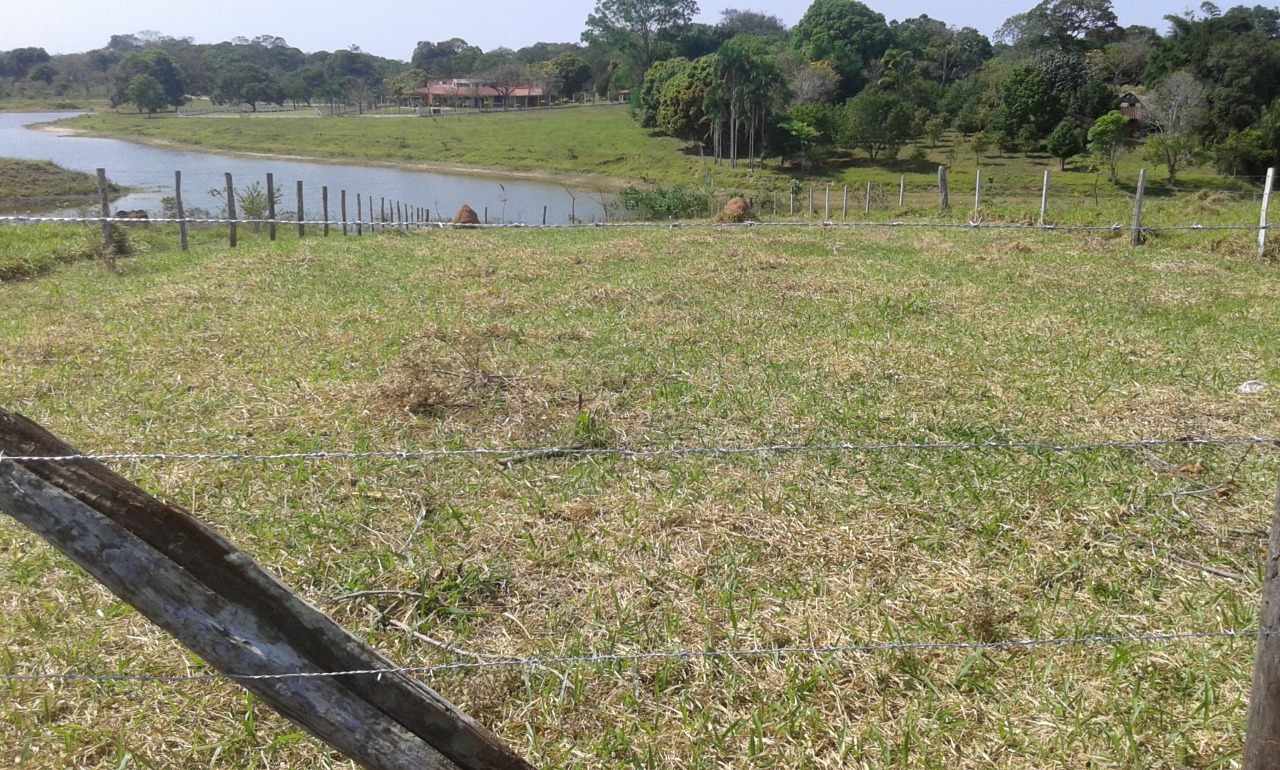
672	337
605	146
51	104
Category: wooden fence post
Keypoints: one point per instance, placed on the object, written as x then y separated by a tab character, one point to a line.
1044	198
1262	741
400	215
866	201
343	197
231	211
792	204
902	191
944	195
486	215
812	210
544	215
182	212
360	216
215	600
844	206
977	193
104	198
826	206
324	207
1262	221
302	229
382	211
1137	238
271	206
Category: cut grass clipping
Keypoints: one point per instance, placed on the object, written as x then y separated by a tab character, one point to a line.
666	338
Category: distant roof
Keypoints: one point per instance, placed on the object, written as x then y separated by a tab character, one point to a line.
473	89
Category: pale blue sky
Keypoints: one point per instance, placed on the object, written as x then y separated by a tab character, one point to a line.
390	28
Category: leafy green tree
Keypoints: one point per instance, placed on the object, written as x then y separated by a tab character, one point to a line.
878	122
682	104
155	63
633	26
1177	107
247	84
1108	137
569	73
146	93
43	73
445	59
981	146
845	32
1066	142
934	128
1026	99
1063	24
747	88
651	90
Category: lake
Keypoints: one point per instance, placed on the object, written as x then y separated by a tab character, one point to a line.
149	171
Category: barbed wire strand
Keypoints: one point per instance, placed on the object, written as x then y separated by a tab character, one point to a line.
824	224
605	658
647	453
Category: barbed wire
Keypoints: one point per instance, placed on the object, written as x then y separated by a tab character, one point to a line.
606	658
528	453
823	224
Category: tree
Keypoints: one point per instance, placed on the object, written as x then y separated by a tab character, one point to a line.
146	93
736	22
878	122
1066	142
1063	24
747	88
159	65
682	104
934	128
247	84
981	146
43	73
633	26
569	74
445	59
844	32
812	82
651	90
1026	99
1177	107
1108	137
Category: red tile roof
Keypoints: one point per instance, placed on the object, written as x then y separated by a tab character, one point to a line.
471	91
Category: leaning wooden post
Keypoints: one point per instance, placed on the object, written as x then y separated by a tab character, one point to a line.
302	228
182	212
343	197
215	600
1262	741
104	198
231	211
977	193
944	195
902	191
866	201
324	207
1044	198
359	216
271	206
1266	204
844	205
1137	238
826	206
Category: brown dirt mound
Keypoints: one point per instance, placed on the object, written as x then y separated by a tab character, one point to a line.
466	216
736	210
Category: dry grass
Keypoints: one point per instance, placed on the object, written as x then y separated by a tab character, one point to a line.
677	337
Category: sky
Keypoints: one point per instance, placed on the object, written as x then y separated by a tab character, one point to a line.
392	29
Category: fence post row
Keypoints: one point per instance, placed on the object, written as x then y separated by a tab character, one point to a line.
231	211
104	199
1262	221
1137	238
1262	741
271	206
197	586
182	212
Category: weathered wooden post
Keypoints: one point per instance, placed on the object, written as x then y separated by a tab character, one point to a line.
324	207
792	205
231	211
544	216
1137	238
944	195
271	206
382	211
902	191
302	229
866	201
1262	741
215	600
812	210
359	216
1266	204
1044	198
826	205
844	205
486	215
104	199
977	193
343	196
400	215
182	212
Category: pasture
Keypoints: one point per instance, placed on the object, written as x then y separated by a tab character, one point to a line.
659	338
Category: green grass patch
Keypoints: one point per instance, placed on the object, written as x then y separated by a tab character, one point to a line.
27	185
686	336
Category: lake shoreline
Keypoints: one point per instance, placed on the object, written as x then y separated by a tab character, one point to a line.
580	182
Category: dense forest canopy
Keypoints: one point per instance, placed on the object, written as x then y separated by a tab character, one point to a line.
748	86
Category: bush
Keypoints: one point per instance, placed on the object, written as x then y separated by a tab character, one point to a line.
677	202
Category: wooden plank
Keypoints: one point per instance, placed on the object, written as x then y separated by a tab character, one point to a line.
1262	742
215	600
182	212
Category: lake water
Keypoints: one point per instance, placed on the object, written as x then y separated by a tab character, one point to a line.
149	170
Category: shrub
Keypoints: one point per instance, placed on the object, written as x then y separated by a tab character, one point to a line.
677	202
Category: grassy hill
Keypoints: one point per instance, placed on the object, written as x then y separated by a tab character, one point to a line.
677	337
